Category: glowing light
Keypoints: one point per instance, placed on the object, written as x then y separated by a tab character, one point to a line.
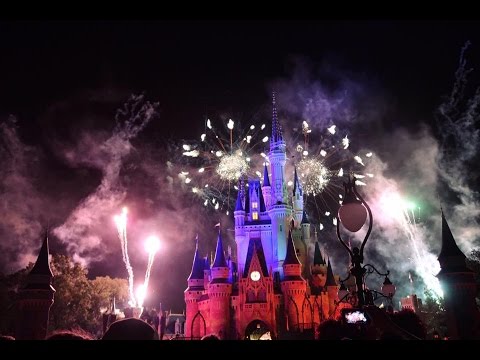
252	127
368	154
314	175
193	153
340	172
141	294
209	124
231	167
152	244
201	170
202	137
186	147
305	153
331	129
265	139
323	153
359	160
121	222
345	142
230	124
262	127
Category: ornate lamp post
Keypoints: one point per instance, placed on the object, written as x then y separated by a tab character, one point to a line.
353	214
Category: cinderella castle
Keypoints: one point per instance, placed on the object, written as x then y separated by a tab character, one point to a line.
275	286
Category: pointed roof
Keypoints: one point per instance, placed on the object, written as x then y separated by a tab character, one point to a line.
304	218
317	257
255	247
330	281
206	263
451	258
238	204
291	256
449	246
266	179
247	201
263	208
42	265
197	266
296	184
219	254
277	135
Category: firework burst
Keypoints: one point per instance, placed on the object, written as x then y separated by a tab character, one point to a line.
211	167
323	159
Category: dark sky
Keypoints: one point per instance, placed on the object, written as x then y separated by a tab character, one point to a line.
61	78
190	66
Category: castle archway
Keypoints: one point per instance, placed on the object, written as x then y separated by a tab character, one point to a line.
257	330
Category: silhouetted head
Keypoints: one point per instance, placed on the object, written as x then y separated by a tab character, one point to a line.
210	337
69	335
130	329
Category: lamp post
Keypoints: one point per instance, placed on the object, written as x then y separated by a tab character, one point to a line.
353	214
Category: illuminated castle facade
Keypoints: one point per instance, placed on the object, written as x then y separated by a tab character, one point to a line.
274	286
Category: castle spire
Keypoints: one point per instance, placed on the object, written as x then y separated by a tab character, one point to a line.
317	256
330	281
451	258
42	265
219	255
291	257
277	136
266	180
238	204
198	264
449	246
296	184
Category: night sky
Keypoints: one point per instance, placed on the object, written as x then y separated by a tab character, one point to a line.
64	80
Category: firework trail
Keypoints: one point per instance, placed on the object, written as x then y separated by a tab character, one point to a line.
121	222
403	212
152	245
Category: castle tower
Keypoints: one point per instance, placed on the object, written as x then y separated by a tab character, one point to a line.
459	289
219	292
297	199
35	299
279	211
293	286
266	188
193	292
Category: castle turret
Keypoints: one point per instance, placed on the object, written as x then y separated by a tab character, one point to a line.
305	224
219	291
35	299
193	292
279	210
459	289
297	199
266	188
293	285
332	288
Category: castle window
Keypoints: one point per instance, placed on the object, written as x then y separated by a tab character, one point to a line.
254	205
255	215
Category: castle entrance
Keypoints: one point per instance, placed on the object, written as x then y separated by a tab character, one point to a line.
257	330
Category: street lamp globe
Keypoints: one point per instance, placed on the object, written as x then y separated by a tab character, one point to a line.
352	213
388	289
